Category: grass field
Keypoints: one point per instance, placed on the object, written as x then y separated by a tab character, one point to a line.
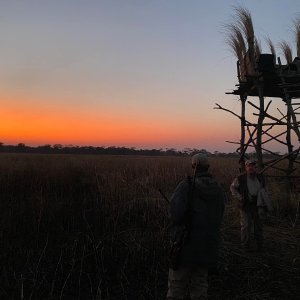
96	227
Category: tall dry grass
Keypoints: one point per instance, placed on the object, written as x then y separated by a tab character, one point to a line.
89	227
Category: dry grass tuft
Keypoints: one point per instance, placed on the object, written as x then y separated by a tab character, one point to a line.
271	46
245	22
287	51
297	35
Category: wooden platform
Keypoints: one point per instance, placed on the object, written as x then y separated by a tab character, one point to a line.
273	78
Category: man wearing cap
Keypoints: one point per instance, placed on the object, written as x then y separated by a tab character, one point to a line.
197	205
246	188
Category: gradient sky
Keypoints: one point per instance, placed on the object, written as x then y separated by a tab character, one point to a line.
134	73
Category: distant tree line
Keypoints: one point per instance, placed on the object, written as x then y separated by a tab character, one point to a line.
112	150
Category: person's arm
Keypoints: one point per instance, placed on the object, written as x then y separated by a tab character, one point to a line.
234	188
178	206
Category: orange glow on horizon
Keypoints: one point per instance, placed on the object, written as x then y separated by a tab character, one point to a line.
39	126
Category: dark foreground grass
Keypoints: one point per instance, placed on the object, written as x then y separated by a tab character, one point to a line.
95	227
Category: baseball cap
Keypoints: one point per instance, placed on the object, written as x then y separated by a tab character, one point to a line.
200	159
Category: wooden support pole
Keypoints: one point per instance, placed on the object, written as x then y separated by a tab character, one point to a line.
266	114
288	137
280	159
260	121
243	124
275	138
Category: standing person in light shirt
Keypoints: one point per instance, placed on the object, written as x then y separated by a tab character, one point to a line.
249	189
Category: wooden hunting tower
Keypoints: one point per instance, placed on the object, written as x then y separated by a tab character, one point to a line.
264	77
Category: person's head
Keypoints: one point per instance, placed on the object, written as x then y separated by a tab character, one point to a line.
250	166
200	162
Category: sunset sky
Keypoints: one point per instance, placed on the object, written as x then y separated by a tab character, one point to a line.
134	73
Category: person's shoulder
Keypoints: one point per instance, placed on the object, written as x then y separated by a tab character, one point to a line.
241	176
184	182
